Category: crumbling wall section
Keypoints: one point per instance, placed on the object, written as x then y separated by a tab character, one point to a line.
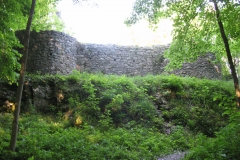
52	52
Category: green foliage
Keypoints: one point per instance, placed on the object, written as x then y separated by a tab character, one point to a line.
105	99
224	147
45	16
195	104
9	56
196	31
198	105
145	9
118	117
43	137
13	17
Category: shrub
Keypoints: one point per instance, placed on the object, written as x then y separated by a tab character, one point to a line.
224	147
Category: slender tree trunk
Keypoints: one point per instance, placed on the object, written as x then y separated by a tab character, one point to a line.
229	55
21	79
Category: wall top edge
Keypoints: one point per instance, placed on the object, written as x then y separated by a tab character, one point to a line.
110	45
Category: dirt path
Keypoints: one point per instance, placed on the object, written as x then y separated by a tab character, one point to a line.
175	156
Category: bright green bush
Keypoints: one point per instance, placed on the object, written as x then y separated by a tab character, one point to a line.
112	99
118	117
197	104
42	137
224	147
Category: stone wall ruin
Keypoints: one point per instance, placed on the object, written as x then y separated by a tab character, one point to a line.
52	52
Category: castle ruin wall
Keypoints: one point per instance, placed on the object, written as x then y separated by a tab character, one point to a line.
52	52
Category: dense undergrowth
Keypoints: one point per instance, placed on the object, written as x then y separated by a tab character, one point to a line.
119	117
42	137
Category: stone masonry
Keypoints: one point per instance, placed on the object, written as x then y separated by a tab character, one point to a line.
50	52
55	52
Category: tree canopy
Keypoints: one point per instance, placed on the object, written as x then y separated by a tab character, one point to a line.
13	17
196	30
201	26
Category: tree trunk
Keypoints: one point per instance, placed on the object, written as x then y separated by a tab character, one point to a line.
21	79
229	56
